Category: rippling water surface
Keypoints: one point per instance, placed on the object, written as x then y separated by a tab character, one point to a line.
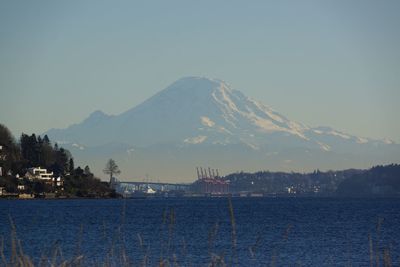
190	231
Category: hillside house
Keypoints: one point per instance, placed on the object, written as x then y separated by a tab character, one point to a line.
39	173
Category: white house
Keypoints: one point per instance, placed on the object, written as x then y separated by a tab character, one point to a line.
21	187
39	173
58	181
42	174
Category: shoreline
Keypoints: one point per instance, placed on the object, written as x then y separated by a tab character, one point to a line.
201	197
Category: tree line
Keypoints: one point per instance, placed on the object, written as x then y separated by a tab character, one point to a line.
377	181
16	157
33	151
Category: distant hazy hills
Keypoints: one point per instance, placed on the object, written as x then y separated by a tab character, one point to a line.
198	122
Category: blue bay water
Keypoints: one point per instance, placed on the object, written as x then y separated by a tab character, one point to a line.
190	231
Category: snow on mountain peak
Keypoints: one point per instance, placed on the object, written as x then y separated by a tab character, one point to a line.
195	140
221	109
207	121
196	110
200	84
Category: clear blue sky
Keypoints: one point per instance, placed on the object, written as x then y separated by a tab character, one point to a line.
333	63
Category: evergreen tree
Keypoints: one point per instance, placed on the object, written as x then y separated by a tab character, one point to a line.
30	149
39	151
46	140
46	154
79	171
9	153
71	166
61	161
25	146
34	151
87	171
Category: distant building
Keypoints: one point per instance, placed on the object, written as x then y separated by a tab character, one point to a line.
42	174
21	187
58	181
291	190
39	173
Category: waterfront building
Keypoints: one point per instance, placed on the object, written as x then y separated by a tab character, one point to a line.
39	173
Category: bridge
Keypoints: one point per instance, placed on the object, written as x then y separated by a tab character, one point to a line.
208	183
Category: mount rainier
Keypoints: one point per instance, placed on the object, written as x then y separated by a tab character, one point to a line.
204	122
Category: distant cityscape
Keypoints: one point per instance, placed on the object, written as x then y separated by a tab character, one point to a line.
377	181
34	168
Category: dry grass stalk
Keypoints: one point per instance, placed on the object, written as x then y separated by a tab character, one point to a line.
234	259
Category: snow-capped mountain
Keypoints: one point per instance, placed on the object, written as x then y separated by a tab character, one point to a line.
197	113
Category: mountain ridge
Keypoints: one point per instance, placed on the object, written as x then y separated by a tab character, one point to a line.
201	112
220	102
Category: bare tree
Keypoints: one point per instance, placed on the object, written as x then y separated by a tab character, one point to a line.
111	169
